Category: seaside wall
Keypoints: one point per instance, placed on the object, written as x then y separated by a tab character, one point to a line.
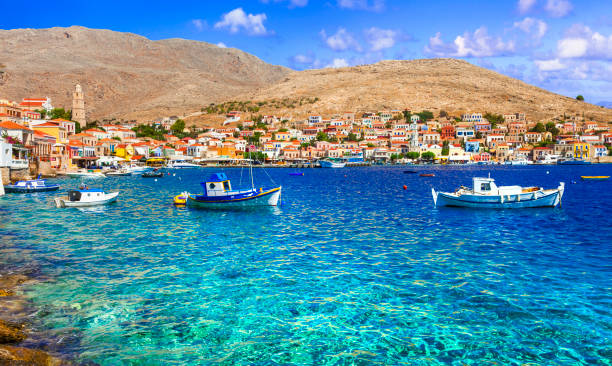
5	175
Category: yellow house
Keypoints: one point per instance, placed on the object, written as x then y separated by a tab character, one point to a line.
227	150
581	150
125	151
52	129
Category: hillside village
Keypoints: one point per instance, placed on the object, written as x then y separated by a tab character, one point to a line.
29	134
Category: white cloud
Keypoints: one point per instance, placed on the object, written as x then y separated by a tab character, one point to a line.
199	24
582	42
292	3
340	41
558	8
221	45
525	5
338	62
374	5
237	19
550	65
476	44
537	28
380	39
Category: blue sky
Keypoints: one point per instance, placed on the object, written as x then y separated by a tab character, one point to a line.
560	45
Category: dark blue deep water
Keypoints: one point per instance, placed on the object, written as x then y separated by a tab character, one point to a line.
352	269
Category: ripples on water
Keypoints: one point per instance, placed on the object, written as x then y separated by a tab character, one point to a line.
351	269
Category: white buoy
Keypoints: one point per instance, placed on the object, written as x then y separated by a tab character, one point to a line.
547	172
156	179
174	174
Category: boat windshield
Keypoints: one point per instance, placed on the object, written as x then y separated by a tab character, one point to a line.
226	185
485	187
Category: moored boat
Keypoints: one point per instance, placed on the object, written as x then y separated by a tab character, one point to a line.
332	164
153	174
84	173
86	198
30	186
181	164
595	177
573	162
118	173
218	194
486	194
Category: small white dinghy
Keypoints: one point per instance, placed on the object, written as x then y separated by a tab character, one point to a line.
86	198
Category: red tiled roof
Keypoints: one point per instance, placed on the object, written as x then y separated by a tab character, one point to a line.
9	125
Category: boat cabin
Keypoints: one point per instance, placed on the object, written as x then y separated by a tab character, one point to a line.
84	195
487	186
217	185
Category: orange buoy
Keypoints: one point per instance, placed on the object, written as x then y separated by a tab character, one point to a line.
405	186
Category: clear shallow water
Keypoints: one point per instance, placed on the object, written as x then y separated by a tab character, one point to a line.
352	269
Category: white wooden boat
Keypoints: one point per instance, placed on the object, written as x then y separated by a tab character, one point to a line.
486	194
86	198
30	186
118	173
179	164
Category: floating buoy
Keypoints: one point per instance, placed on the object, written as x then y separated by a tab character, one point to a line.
156	179
547	172
174	174
405	187
168	173
180	200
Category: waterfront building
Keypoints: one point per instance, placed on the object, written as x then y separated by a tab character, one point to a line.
600	151
472	117
37	103
582	150
53	129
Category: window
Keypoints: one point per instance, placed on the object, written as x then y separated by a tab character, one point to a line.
226	185
485	187
211	186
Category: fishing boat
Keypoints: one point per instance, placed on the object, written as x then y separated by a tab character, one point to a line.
86	197
218	193
181	164
118	173
30	186
84	173
410	172
427	175
595	177
153	174
332	164
486	194
573	162
296	173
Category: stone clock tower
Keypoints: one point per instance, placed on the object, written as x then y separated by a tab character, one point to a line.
78	106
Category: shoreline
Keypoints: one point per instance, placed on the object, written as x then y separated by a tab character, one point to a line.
20	341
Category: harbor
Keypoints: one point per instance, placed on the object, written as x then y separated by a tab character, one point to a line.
327	272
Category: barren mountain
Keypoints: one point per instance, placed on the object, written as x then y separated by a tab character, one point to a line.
438	84
123	74
131	77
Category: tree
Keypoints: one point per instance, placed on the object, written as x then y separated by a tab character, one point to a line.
178	127
494	119
426	115
351	137
580	98
43	112
60	113
550	127
428	155
445	148
322	136
539	127
407	116
413	155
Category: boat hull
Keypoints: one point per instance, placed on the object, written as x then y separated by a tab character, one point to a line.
17	189
331	164
86	175
548	198
108	198
265	198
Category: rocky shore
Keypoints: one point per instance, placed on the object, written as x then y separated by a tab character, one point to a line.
13	334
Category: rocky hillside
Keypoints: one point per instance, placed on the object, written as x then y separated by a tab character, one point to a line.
123	74
438	84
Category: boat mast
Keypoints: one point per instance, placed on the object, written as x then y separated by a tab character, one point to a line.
251	167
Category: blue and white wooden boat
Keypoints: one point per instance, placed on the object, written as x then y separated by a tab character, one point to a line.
218	193
574	162
486	194
30	186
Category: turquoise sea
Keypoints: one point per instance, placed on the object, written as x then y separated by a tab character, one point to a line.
351	269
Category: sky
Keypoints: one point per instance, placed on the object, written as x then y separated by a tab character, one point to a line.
560	45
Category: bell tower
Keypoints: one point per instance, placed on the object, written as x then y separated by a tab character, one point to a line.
78	106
